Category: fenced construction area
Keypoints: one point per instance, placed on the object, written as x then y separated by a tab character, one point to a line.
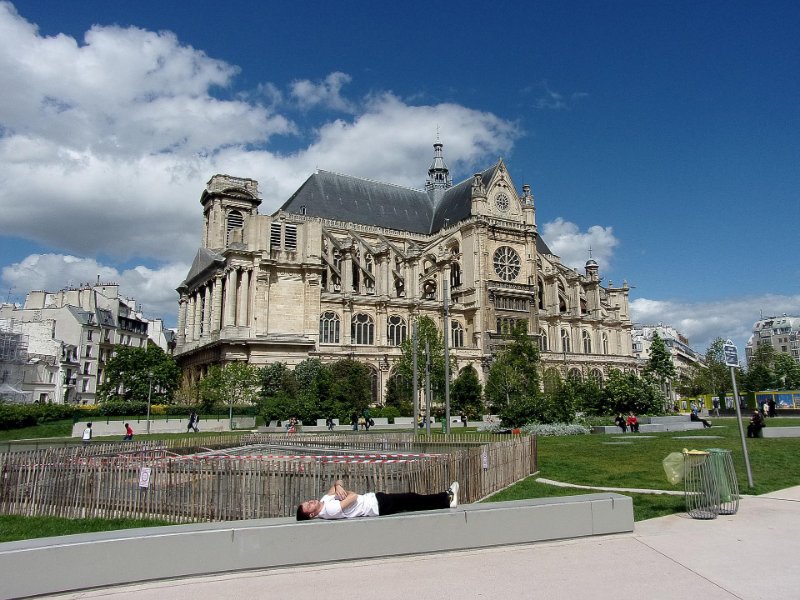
223	478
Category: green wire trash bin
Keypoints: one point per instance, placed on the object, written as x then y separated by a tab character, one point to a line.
700	485
727	484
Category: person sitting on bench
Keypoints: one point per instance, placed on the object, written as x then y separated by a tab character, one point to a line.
632	423
619	421
340	503
756	425
695	417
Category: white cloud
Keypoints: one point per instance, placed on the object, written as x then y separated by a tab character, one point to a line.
106	144
326	93
702	322
567	241
153	289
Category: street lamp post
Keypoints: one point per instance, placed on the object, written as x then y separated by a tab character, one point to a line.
149	396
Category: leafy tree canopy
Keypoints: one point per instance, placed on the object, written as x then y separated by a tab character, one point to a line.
131	371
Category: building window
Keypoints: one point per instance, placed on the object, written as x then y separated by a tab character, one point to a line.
87	368
597	376
290	237
455	275
396	330
363	329
329	328
235	221
565	345
506	263
89	335
587	343
605	343
456	334
574	374
542	340
275	236
88	351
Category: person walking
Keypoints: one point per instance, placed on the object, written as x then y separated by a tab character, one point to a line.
87	434
192	424
128	432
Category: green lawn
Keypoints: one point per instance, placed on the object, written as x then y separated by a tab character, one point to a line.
601	460
592	460
13	527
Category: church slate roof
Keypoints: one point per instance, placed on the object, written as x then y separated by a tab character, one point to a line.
204	259
346	198
456	202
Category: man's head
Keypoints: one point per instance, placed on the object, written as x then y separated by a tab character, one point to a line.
308	510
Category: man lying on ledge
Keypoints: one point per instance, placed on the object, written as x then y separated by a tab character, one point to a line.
340	503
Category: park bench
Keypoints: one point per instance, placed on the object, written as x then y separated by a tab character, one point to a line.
133	555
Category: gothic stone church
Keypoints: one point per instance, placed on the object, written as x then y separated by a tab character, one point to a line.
345	266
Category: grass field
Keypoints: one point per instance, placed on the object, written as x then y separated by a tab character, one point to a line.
634	461
611	460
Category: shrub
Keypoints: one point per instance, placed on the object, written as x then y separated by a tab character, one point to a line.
555	429
390	412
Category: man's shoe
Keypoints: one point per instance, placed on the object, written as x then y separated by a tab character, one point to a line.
453	494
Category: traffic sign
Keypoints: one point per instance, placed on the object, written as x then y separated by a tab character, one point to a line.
731	354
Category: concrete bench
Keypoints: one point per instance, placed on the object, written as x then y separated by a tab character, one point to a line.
323	422
780	432
126	556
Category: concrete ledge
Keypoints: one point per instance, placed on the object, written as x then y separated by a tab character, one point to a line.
780	432
52	565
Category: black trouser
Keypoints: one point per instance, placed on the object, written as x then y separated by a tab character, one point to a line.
389	504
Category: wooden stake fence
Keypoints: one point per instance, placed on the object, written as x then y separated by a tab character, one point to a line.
103	480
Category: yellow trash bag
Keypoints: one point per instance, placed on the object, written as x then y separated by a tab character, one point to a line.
673	467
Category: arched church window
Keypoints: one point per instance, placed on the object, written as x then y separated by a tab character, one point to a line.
575	374
605	343
540	292
396	330
565	345
597	376
363	329
587	342
542	340
329	328
456	334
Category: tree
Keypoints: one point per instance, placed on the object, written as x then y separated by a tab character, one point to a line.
512	387
716	378
581	395
760	374
465	394
659	365
627	392
351	386
398	393
135	373
787	371
235	384
427	332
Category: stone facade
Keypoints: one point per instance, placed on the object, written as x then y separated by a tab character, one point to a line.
303	282
71	334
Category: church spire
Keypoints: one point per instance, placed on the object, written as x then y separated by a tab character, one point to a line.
438	174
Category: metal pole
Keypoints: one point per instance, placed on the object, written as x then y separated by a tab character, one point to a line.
741	428
149	395
415	398
446	353
427	387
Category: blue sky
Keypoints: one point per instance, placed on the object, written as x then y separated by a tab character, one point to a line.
663	135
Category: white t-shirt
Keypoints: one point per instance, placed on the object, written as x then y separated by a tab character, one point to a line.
365	506
87	434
